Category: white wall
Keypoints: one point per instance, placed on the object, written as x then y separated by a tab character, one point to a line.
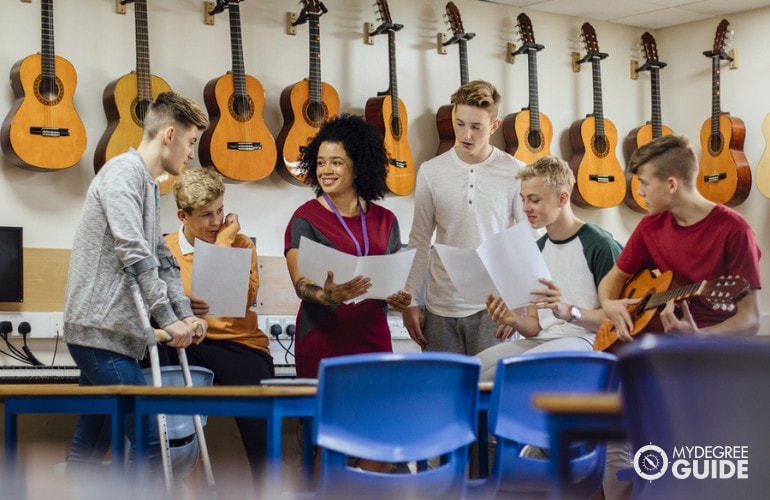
187	53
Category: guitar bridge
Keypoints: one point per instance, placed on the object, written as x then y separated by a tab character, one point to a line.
50	131
601	178
397	163
715	177
245	146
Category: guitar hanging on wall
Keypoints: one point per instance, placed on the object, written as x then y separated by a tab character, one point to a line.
653	129
599	178
237	142
388	115
528	133
724	175
445	114
763	166
306	105
43	130
127	99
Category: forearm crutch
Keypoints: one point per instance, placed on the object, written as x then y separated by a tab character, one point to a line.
163	336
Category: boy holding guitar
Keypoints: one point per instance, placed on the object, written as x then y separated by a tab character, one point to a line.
464	196
692	237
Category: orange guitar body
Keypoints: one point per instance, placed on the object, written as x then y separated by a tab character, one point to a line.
635	139
518	136
302	119
35	107
763	166
724	175
125	121
379	112
599	179
445	119
232	122
643	283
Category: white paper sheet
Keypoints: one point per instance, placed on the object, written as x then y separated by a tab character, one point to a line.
221	278
388	273
507	265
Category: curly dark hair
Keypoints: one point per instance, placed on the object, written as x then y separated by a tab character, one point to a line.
364	146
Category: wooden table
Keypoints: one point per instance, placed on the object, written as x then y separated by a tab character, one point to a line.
574	416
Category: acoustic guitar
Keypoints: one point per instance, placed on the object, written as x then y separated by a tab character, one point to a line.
43	130
127	99
763	166
653	129
724	175
388	115
237	142
654	293
306	105
599	178
528	133
445	115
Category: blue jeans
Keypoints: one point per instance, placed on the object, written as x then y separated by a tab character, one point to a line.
92	433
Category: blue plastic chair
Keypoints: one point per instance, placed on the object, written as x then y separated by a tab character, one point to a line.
395	408
681	392
515	423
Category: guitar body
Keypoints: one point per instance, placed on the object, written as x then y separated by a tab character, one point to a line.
379	112
524	143
36	106
635	139
301	121
237	121
445	119
763	167
727	164
599	179
640	285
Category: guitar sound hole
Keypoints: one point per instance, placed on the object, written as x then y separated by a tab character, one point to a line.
139	110
535	140
395	127
49	90
599	146
715	144
241	107
316	113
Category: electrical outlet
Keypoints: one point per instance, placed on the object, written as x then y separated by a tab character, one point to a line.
41	323
397	328
277	326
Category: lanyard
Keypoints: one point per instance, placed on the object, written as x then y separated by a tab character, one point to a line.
347	229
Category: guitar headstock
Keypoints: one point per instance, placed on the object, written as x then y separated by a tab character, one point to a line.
526	33
383	11
315	7
722	293
723	33
590	42
455	21
650	48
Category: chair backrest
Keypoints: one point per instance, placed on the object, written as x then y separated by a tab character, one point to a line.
181	426
697	393
395	408
517	378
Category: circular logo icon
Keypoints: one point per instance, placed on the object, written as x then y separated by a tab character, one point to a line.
650	462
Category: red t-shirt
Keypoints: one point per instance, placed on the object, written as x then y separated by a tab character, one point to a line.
722	244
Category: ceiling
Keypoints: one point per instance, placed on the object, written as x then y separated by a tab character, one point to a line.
647	14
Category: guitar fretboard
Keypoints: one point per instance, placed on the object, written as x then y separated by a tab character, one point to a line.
598	107
236	49
657	122
393	79
143	81
685	292
315	58
47	52
534	106
463	44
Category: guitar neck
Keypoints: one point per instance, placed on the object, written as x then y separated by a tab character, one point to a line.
657	122
393	90
598	107
681	293
534	107
143	80
236	49
463	44
47	52
715	107
315	58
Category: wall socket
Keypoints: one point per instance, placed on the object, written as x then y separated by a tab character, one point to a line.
279	323
42	324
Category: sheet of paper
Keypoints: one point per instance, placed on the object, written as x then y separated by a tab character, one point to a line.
387	272
467	272
221	278
507	265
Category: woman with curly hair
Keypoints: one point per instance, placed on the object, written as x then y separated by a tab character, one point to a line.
346	165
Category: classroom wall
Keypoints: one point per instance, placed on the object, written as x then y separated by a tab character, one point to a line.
188	53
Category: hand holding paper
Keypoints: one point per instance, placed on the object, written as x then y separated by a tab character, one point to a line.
221	278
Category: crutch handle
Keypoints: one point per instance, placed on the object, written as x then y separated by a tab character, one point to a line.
164	336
